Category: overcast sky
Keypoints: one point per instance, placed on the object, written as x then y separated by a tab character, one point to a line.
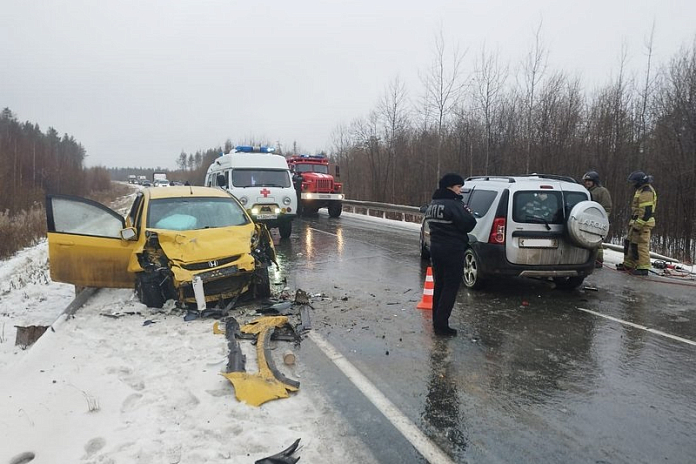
137	82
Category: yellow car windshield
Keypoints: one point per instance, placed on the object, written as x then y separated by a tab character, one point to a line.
194	213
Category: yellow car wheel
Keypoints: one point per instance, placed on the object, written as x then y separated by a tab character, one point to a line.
148	290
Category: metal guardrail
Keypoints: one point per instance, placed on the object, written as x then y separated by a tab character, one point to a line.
620	248
384	210
413	214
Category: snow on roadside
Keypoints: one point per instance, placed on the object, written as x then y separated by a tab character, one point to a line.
28	296
107	389
383	222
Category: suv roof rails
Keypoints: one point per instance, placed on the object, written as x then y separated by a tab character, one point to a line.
511	179
552	176
508	179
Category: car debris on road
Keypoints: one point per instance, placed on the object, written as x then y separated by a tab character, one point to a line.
284	457
268	383
289	321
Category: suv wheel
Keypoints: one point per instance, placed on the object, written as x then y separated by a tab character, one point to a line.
424	252
472	277
568	283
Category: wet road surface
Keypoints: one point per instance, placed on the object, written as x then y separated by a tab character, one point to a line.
531	376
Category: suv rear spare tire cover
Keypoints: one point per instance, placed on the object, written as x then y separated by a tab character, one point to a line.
588	224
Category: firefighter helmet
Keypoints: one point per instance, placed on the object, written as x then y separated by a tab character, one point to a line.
638	178
591	175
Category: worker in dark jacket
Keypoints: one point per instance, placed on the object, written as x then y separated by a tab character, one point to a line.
449	221
601	195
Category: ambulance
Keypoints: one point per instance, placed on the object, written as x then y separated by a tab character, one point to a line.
261	181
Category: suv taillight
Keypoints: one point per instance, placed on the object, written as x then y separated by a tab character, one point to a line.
497	231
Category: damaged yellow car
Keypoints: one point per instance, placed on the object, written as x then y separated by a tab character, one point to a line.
171	241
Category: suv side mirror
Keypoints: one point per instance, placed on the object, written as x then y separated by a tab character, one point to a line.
221	180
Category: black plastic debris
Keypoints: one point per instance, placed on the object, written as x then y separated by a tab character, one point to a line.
285	333
284	457
301	297
304	317
282	308
236	359
231	304
121	314
214	313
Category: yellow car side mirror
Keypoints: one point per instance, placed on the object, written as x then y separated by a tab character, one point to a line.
129	233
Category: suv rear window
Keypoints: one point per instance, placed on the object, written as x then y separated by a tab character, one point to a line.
540	207
480	201
572	199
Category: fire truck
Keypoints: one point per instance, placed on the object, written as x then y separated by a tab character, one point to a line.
315	187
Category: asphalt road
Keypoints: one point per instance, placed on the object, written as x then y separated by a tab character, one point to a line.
535	375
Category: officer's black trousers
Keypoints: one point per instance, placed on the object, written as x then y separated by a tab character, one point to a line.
448	267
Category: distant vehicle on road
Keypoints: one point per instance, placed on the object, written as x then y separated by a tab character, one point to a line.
159	176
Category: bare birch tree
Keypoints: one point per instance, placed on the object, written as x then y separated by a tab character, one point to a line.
489	79
394	111
534	67
443	88
645	94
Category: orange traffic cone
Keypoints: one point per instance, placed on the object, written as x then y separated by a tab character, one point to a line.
428	287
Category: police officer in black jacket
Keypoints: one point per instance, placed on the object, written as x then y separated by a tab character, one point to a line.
449	221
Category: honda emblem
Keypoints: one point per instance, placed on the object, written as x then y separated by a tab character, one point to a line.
212	263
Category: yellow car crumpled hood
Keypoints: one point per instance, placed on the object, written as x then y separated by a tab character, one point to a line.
193	246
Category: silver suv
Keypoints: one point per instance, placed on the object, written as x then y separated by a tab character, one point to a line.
531	226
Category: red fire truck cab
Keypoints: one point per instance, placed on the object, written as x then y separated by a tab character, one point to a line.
316	188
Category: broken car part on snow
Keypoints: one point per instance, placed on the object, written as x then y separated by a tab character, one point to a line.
268	383
284	457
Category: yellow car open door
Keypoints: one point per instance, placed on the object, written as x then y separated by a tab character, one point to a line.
85	247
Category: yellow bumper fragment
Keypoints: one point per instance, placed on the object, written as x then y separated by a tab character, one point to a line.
268	383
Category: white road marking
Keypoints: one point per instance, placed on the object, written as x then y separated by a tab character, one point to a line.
408	429
638	326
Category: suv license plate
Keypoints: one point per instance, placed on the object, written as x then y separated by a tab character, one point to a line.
538	243
266	216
